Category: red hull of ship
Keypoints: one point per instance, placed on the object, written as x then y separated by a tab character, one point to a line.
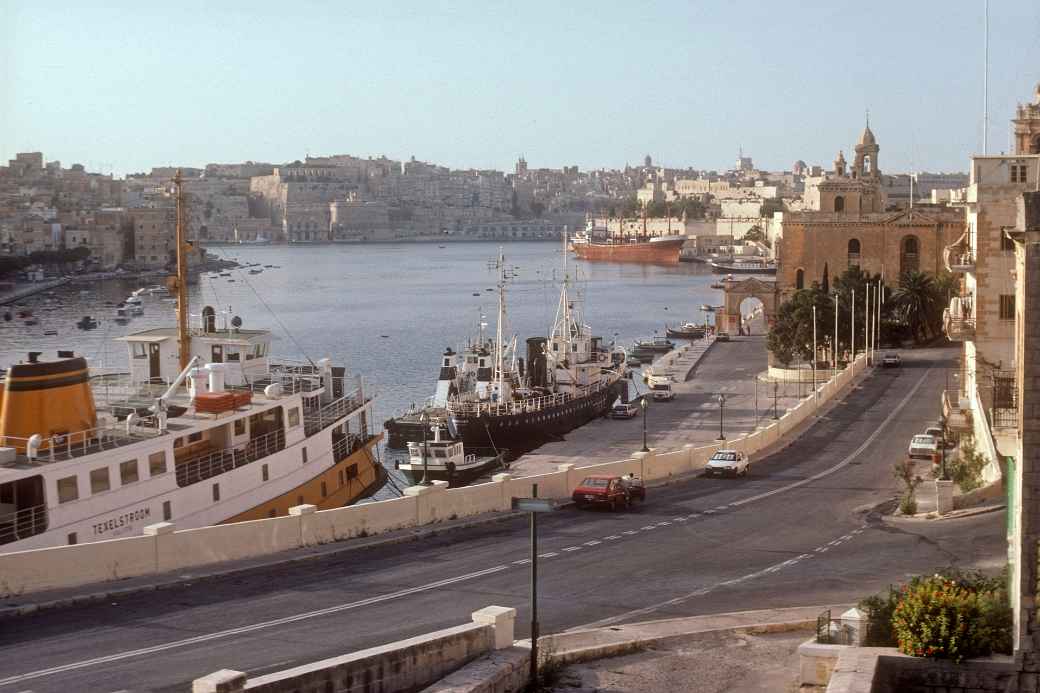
659	253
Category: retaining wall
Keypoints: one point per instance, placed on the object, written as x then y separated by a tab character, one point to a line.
165	549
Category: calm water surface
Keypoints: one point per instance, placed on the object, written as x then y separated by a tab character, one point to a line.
385	311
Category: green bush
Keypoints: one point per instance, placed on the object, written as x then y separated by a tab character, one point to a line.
951	615
966	468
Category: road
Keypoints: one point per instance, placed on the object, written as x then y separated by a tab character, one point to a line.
729	368
795	533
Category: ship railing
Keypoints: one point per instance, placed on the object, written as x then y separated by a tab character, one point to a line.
208	465
23	523
525	406
66	446
319	419
346	445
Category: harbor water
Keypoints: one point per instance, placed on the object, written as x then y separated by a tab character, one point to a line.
386	311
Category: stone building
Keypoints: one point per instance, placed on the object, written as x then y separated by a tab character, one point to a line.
1027	126
846	226
153	236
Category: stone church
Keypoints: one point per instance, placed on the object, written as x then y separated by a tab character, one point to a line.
852	228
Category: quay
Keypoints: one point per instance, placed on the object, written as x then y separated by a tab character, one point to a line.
18	294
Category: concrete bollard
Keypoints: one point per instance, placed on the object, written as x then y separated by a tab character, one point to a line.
223	681
645	460
568	469
307	532
502	619
165	554
943	496
502	478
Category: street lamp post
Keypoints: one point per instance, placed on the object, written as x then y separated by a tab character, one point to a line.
644	403
776	389
942	468
424	419
722	416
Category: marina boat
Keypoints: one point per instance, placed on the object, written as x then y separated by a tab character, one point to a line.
206	427
744	266
657	345
663	250
446	460
123	315
136	310
687	330
133	299
569	379
86	323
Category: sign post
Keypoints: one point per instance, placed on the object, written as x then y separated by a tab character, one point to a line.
533	506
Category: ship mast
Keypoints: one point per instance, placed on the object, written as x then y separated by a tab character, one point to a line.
183	337
499	347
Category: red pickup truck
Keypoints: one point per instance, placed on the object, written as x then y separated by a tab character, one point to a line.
612	491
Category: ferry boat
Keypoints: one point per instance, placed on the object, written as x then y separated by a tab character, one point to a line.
687	330
206	427
570	378
446	460
744	266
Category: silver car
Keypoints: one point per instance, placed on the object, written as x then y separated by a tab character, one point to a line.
728	463
922	446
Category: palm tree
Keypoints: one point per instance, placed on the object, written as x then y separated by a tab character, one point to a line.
918	303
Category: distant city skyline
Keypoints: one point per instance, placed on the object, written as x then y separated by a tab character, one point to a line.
127	87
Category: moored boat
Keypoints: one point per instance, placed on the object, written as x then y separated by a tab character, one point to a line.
446	460
687	330
744	266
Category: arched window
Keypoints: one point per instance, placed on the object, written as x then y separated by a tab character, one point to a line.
854	252
839	204
799	279
909	256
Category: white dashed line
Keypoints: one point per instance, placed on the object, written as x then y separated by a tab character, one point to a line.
647	527
522	561
594	542
612	537
547	555
572	548
629	532
679	519
663	524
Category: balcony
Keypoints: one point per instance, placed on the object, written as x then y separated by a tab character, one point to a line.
959	258
959	319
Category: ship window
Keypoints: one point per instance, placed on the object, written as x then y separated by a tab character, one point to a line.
178	443
140	351
264	473
99	480
294	417
68	489
128	472
273	512
240	427
195	437
216	492
303	454
352	472
72	538
157	463
231	353
341	478
324	490
440	453
167	511
556	347
299	500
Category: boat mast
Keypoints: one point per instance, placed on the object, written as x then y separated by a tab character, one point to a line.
183	338
499	350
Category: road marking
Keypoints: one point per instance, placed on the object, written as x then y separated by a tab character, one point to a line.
547	555
823	549
629	532
594	542
647	527
679	519
612	537
572	548
663	524
522	561
709	512
722	507
852	455
263	625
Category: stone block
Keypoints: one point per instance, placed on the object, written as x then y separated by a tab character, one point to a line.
304	509
502	619
943	496
223	681
159	528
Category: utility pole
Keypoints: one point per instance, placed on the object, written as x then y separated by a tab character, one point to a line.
852	332
816	394
534	590
183	337
866	325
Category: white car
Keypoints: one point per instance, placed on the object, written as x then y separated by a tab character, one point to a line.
922	446
662	392
728	463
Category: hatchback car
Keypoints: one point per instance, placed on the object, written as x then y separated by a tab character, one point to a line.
728	463
891	360
922	446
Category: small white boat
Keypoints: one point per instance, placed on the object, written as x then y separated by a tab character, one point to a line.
446	460
133	299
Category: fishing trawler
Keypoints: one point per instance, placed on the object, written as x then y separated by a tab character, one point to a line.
206	427
446	460
570	378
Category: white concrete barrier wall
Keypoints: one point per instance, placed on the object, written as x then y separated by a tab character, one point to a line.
41	569
63	566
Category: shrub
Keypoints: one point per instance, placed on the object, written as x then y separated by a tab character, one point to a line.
951	615
904	471
966	468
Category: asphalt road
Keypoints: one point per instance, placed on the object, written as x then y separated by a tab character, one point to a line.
795	533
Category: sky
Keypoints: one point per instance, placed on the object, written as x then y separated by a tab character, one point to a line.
124	86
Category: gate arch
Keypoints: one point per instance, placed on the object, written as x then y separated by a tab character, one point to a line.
736	290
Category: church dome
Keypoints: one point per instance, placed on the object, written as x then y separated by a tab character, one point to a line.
867	138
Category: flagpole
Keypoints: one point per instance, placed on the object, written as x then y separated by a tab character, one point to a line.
852	331
816	393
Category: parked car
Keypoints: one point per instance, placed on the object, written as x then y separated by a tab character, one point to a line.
728	463
722	336
614	492
891	360
625	410
937	433
922	445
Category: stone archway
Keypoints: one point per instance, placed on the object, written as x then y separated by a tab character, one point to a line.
736	290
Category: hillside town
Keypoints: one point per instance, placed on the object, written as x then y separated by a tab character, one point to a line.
128	222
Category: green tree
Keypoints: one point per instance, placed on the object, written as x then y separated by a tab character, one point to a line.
755	233
791	335
918	304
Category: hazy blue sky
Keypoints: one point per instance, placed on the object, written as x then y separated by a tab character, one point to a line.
123	86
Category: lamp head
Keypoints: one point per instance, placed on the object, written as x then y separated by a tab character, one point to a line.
644	402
